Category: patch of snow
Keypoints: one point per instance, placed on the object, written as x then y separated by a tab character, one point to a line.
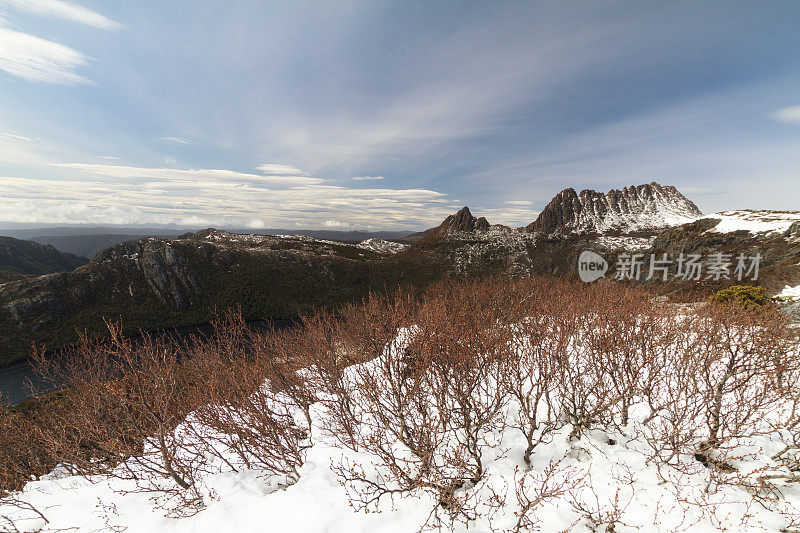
382	246
789	293
754	221
625	243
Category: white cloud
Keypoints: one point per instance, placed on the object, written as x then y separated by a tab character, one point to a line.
365	178
280	170
335	224
518	202
508	216
110	194
256	223
17	137
119	171
787	114
34	59
65	10
178	140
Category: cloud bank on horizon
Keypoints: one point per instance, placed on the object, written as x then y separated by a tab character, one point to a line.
387	115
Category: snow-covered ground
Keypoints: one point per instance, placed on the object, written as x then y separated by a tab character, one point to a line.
382	246
625	243
614	476
604	473
754	221
789	293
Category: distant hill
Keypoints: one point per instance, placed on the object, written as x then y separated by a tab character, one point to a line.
154	283
87	241
19	258
88	245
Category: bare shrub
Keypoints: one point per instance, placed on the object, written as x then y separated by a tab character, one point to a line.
253	394
719	385
22	452
601	512
427	407
533	490
739	357
126	403
530	378
596	375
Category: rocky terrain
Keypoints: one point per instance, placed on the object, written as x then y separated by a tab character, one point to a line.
642	208
154	283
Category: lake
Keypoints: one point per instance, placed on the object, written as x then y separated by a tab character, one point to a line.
18	381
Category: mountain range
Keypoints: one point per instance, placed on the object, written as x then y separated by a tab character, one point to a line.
87	241
155	282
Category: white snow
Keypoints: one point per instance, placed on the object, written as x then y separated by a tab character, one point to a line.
382	246
761	222
790	293
625	243
666	208
613	468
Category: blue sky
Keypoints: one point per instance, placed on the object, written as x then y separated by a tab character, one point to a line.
388	115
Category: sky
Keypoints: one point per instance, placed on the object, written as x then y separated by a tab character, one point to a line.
388	115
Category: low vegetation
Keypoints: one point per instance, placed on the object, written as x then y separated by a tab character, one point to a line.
425	387
743	294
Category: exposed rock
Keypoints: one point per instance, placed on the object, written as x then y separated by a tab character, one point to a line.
463	221
632	209
155	283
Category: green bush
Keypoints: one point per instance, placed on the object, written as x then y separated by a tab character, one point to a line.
743	294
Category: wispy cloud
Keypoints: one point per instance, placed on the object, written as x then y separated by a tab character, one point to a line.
66	11
17	137
280	170
787	114
178	140
209	175
366	178
510	215
130	195
31	58
36	59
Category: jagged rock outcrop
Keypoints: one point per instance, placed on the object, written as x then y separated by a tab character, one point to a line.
463	220
632	209
460	223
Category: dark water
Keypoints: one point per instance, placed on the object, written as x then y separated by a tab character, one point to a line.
15	382
18	381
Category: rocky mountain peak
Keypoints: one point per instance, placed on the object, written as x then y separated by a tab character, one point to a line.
632	209
463	220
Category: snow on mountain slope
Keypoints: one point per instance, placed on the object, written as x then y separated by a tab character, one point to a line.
632	209
382	246
754	221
